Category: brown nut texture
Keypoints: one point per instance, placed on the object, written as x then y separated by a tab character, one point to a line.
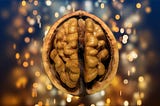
80	54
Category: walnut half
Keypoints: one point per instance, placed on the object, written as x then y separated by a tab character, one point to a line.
80	54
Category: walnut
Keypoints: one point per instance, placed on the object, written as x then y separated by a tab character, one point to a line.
80	54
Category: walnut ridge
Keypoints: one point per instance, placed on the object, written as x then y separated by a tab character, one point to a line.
80	54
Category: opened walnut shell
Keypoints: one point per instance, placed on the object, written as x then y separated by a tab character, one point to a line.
80	54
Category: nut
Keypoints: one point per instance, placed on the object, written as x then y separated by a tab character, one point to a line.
80	54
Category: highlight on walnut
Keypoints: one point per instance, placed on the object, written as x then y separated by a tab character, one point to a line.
80	54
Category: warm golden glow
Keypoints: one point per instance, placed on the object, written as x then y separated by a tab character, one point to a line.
139	102
30	30
49	86
108	100
126	103
37	74
35	85
138	5
141	79
25	64
32	62
27	55
56	14
17	56
117	16
26	39
148	9
23	3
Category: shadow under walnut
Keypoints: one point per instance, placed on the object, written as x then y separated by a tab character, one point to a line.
80	54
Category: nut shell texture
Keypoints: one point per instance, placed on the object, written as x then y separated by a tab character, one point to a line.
80	54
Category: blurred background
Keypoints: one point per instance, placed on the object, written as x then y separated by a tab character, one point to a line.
135	24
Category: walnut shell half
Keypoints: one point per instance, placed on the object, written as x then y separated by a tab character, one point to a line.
80	54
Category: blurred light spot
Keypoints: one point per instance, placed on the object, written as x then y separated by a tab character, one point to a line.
36	3
39	20
35	85
132	55
115	29
126	103
136	95
74	6
92	105
14	46
25	64
30	30
140	78
133	69
128	30
139	102
130	47
128	24
32	62
48	2
125	37
30	20
69	98
148	9
54	101
120	93
27	55
119	45
129	73
142	95
17	56
138	5
133	38
100	103
62	103
69	7
88	5
102	93
49	86
62	9
40	103
122	30
56	14
96	4
34	92
37	74
125	81
122	1
21	31
108	100
23	3
131	20
117	16
102	5
124	41
26	39
35	12
21	82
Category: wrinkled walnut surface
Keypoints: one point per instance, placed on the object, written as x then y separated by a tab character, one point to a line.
80	54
